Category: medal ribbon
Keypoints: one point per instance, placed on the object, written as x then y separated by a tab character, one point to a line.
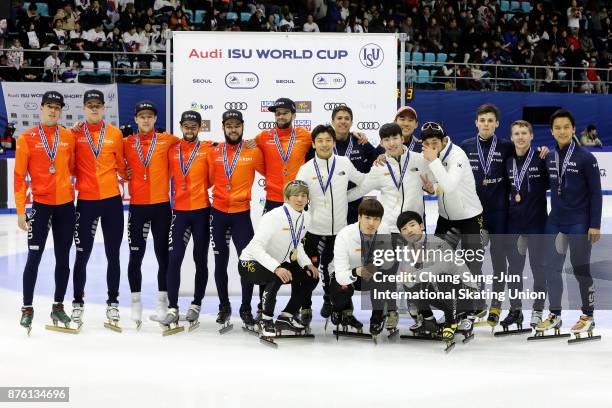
229	170
295	238
486	166
279	147
185	167
568	156
518	177
95	150
329	176
145	162
403	169
50	152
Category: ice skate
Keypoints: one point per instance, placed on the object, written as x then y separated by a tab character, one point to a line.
306	318
286	322
112	314
77	314
336	318
514	317
465	328
268	331
136	312
58	315
223	318
27	314
536	318
161	308
326	309
172	319
552	322
424	329
193	317
377	324
585	324
493	317
477	318
351	327
391	323
248	323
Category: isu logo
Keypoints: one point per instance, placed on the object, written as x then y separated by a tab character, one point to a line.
236	105
266	125
330	106
371	55
368	125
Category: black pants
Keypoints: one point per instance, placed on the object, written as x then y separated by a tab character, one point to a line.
141	219
301	284
453	309
184	225
270	205
320	250
109	212
342	295
42	217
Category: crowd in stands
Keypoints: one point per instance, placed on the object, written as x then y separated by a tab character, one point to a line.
482	35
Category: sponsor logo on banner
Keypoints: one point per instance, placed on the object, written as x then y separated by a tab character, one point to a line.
241	80
329	80
111	96
206	54
303	106
200	106
66	106
285	81
263	125
30	105
371	55
202	81
265	105
305	123
368	125
205	126
365	82
330	106
13	116
236	105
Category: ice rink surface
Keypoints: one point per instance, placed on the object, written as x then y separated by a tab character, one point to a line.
205	369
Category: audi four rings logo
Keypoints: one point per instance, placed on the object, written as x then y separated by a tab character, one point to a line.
330	106
266	125
368	125
236	105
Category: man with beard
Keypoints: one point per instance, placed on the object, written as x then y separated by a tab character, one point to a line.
190	216
231	170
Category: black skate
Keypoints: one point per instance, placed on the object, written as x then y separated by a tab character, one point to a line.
425	329
289	323
248	323
349	321
391	324
514	317
268	332
223	318
59	315
306	318
377	324
27	314
326	309
448	336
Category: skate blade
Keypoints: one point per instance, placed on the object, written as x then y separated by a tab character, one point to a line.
583	339
268	341
193	326
420	337
174	330
295	336
483	323
325	325
358	335
511	332
138	324
225	329
549	336
449	347
29	330
468	338
113	327
393	334
53	327
250	330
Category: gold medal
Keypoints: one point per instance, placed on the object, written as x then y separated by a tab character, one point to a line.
293	256
517	198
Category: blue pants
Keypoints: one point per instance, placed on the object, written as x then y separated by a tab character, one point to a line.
495	222
237	227
536	246
42	217
185	224
88	212
141	219
580	258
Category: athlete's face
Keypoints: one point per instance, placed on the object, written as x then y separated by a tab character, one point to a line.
50	113
393	145
521	137
435	144
412	231
298	201
233	130
284	118
342	123
408	123
324	145
563	131
368	224
190	130
486	124
93	111
145	120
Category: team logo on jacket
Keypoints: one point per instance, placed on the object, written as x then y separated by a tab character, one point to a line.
371	56
368	125
236	105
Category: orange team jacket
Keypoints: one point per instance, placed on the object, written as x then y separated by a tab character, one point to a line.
190	192
97	179
238	198
275	178
31	157
155	187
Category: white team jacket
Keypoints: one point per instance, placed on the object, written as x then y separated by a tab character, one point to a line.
328	212
409	197
271	245
347	251
455	185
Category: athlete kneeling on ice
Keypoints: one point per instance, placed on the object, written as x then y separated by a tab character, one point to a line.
428	269
275	256
353	268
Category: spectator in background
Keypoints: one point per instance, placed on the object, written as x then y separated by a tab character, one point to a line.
407	28
592	79
163	6
434	35
76	33
93	16
258	22
574	14
131	40
310	26
7	72
28	73
114	40
147	17
68	16
59	33
588	137
147	39
271	24
15	55
32	36
52	66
